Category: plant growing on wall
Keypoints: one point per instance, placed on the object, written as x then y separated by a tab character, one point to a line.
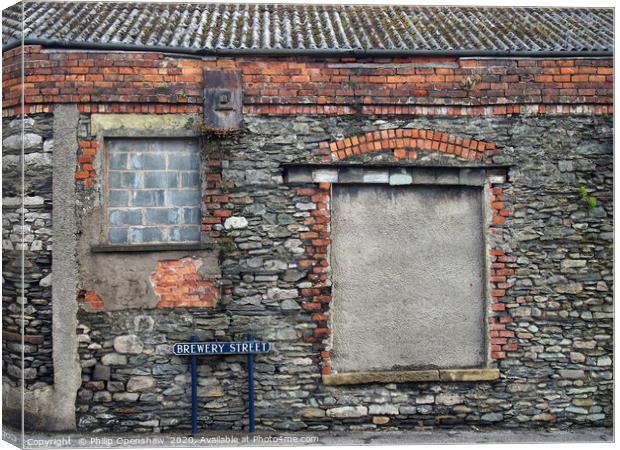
589	199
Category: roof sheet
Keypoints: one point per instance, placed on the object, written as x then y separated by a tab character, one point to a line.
255	28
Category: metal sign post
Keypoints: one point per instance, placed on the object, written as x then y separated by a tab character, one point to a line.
194	369
195	349
251	385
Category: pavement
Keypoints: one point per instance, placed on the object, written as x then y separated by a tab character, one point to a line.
228	439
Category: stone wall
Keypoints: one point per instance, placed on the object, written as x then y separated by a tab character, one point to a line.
36	249
554	300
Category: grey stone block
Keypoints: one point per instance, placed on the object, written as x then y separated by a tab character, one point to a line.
123	179
190	179
325	175
147	198
119	198
423	175
161	216
471	177
117	235
125	217
299	175
351	175
183	197
446	176
161	179
183	161
118	161
147	161
376	176
400	177
184	233
191	216
150	234
101	372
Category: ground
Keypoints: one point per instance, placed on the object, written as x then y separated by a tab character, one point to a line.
212	439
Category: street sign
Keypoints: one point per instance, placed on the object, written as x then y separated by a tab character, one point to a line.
195	349
220	348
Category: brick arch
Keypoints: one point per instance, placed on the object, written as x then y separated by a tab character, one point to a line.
406	142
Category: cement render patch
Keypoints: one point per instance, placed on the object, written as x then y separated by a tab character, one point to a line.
394	297
265	439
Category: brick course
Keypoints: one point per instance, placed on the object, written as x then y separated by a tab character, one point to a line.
155	83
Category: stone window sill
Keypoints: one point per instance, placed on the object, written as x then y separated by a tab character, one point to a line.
168	247
411	376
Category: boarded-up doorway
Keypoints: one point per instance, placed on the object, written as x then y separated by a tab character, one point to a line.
408	277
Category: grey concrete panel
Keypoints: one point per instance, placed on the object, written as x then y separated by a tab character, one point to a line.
162	216
190	179
67	371
118	161
141	235
117	235
191	216
183	197
183	161
125	216
147	161
123	179
119	198
147	198
408	277
191	233
161	180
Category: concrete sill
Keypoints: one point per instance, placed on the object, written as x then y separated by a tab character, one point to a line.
412	376
104	248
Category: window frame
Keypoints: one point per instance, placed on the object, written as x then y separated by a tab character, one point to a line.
103	245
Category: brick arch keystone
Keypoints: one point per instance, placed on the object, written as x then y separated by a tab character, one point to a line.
405	143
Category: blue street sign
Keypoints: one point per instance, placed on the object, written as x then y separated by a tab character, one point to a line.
220	348
195	349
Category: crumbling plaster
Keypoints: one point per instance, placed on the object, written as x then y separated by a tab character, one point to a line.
121	279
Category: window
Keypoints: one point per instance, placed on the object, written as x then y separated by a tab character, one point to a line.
408	277
153	190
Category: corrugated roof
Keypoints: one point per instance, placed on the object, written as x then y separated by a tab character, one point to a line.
253	28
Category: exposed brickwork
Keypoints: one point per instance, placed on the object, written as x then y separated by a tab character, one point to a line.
501	270
179	284
316	242
85	172
90	301
155	83
405	142
215	201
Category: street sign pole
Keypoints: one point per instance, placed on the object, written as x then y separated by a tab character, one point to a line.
194	364
251	385
194	349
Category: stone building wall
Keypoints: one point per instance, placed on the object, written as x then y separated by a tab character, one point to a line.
36	249
555	371
265	267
